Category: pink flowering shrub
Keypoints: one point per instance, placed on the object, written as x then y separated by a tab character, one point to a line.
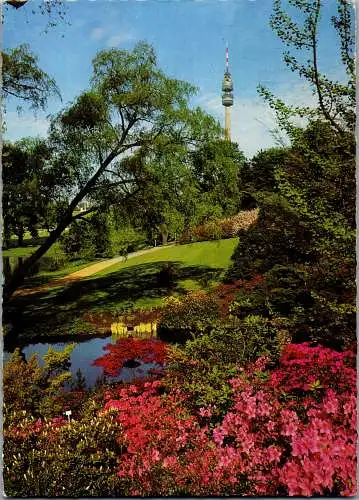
168	452
288	431
270	442
301	446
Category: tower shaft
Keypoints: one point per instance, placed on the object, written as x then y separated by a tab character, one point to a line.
227	123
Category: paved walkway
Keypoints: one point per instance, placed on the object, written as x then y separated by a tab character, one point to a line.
86	271
100	266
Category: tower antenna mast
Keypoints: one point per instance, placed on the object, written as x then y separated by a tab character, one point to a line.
227	98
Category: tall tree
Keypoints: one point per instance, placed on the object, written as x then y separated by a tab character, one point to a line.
27	187
217	167
24	79
336	99
307	228
131	104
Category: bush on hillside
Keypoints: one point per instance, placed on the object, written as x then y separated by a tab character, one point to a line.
278	238
188	316
221	228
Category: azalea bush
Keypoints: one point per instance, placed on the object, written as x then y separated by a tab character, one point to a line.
295	433
287	430
221	228
243	220
282	435
51	458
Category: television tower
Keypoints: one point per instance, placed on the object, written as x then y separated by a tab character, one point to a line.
227	99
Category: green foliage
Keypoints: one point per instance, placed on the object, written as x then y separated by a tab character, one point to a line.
28	187
131	106
206	363
240	345
23	79
309	228
189	316
87	238
300	32
217	166
34	388
259	175
205	383
79	459
126	239
279	237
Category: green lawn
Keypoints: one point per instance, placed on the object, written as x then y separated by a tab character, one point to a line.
51	266
214	254
131	284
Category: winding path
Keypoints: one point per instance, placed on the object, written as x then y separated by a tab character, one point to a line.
86	271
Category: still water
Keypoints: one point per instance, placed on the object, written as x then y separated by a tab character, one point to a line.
82	357
45	263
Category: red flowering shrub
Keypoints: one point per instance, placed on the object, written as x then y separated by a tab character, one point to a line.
168	453
306	368
291	431
144	350
226	293
268	443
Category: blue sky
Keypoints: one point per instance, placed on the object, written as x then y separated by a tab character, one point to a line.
189	37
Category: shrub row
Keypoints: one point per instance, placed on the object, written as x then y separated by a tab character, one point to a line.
221	229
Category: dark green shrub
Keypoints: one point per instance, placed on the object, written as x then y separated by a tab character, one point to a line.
78	459
251	338
166	277
279	237
318	306
281	291
87	239
206	363
182	319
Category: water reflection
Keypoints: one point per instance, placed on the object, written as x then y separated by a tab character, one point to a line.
44	264
82	357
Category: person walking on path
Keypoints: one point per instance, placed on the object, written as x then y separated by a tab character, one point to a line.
124	254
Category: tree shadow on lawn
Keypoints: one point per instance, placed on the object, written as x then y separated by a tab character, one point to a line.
59	310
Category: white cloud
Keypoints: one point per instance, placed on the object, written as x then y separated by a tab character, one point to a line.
116	40
252	120
24	125
97	33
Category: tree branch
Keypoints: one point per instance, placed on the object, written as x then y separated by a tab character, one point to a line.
315	69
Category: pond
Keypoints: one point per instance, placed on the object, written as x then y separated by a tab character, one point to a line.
83	356
45	263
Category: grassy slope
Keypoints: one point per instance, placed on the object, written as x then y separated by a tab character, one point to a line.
214	254
129	284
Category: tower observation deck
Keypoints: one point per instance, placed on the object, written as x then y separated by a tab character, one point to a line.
227	98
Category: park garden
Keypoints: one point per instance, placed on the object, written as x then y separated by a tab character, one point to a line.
179	318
